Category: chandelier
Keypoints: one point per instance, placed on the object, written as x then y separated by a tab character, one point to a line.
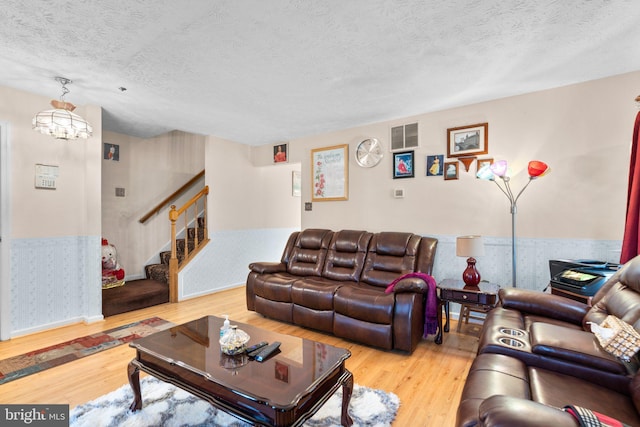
61	122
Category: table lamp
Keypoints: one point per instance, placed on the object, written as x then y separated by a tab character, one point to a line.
470	246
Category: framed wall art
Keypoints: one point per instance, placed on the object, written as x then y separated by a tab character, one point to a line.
435	165
111	152
403	165
281	153
451	170
468	141
480	163
330	173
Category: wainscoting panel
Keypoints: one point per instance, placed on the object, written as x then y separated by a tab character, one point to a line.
54	281
532	258
224	262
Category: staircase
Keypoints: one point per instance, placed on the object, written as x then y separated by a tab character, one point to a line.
154	290
161	283
160	272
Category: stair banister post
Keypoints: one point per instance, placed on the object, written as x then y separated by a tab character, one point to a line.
173	262
204	224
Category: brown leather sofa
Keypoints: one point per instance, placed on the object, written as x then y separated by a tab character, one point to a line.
335	282
537	354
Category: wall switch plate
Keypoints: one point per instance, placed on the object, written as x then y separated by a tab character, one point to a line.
308	206
398	193
119	192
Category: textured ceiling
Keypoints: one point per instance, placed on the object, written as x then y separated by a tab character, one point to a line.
265	71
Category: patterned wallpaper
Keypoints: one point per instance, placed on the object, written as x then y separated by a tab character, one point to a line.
54	281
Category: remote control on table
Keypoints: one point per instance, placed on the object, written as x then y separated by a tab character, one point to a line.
267	351
255	347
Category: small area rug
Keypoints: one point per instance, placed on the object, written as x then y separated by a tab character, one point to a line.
167	406
35	361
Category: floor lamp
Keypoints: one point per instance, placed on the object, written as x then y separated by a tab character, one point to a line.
499	169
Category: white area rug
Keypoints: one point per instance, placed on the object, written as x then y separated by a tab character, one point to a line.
165	405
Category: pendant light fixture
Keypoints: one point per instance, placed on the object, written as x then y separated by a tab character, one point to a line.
61	122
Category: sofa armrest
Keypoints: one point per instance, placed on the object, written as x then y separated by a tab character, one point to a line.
539	303
267	267
512	411
412	284
574	346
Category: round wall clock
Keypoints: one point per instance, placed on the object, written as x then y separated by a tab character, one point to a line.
369	153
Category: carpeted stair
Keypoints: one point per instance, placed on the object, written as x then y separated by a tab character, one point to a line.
160	272
154	290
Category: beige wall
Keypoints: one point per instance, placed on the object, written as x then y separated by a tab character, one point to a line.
582	131
248	193
73	208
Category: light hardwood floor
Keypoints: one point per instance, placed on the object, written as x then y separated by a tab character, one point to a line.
428	382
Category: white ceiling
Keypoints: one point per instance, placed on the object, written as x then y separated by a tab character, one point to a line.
266	71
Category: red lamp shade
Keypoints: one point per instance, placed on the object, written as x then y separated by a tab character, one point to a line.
537	168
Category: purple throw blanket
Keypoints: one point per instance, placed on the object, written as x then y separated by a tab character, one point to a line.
431	309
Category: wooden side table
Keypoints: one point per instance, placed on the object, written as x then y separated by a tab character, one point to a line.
481	299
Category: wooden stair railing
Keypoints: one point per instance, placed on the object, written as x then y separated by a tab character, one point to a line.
171	197
174	214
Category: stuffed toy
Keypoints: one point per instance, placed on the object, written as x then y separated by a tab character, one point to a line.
112	272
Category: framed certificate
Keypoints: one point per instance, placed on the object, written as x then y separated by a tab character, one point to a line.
330	173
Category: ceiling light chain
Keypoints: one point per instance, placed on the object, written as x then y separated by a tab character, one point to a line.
64	82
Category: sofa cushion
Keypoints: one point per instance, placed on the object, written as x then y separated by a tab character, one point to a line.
573	345
274	287
365	303
555	389
620	296
390	255
309	252
314	292
346	254
490	375
621	301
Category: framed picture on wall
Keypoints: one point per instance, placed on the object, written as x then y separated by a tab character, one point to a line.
435	165
451	170
480	163
111	152
466	141
403	165
281	153
330	173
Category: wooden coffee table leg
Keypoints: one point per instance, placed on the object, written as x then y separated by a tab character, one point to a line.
134	382
347	389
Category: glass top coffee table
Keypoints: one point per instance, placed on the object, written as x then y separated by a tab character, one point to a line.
284	390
